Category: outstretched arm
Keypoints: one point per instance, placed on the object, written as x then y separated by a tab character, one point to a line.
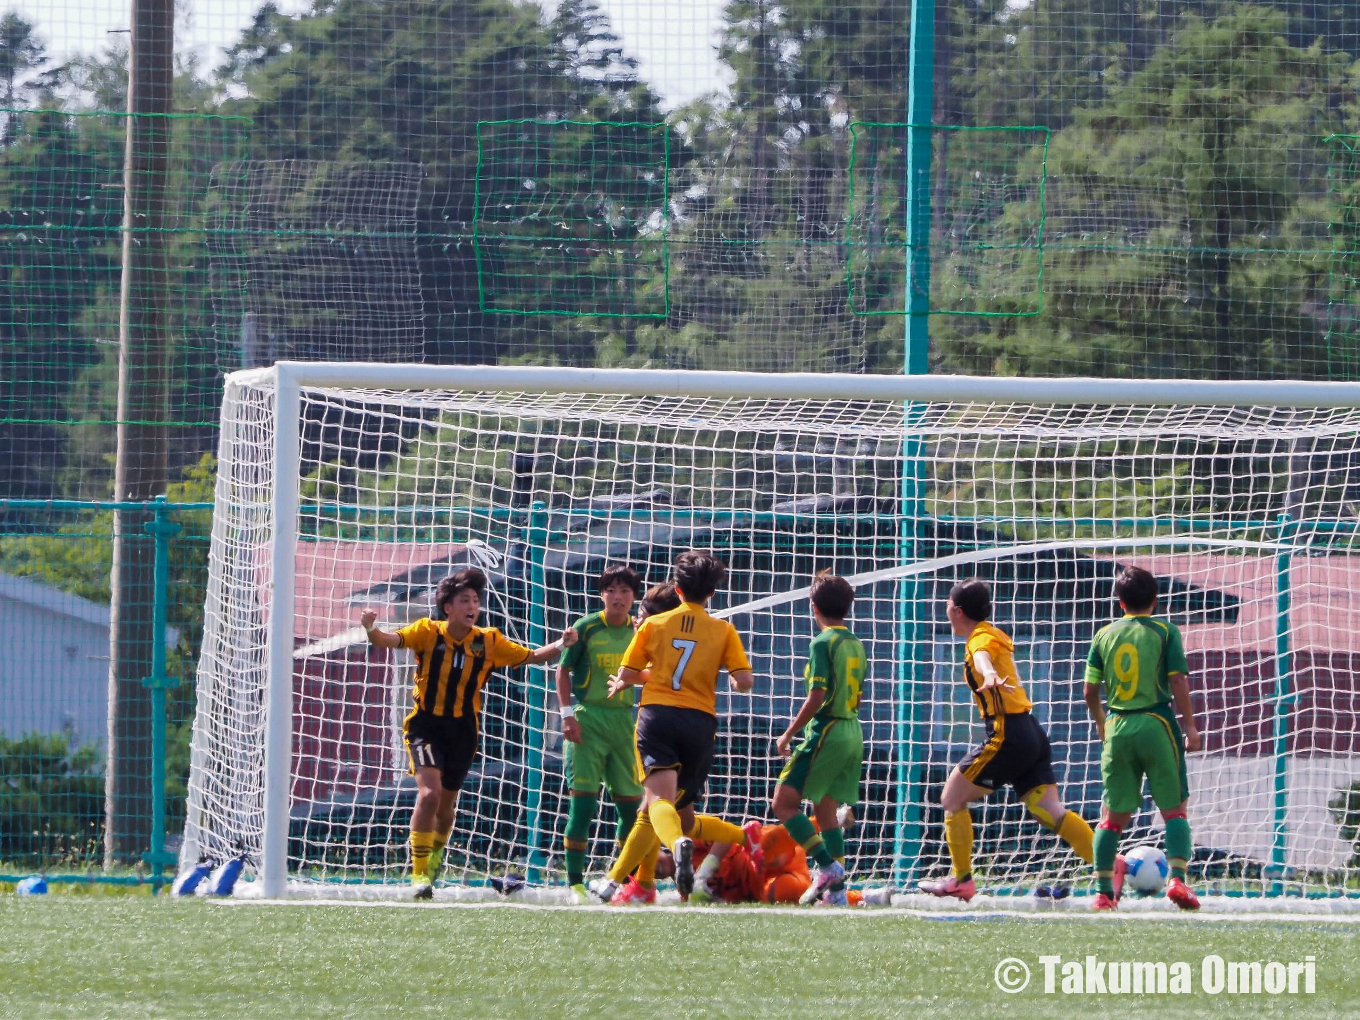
624	679
545	653
376	635
990	677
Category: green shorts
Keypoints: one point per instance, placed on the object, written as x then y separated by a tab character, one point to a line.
605	753
1139	744
827	761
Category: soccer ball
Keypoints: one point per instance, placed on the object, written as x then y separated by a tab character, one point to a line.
1147	870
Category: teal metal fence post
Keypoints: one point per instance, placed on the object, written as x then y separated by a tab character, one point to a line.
912	717
161	528
1284	701
536	546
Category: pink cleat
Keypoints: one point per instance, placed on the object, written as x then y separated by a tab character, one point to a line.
1179	893
1104	902
951	886
634	892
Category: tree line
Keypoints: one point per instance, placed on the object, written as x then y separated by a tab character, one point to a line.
481	180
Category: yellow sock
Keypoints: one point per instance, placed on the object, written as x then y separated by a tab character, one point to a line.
712	829
958	833
641	841
1074	831
421	844
441	840
646	871
666	822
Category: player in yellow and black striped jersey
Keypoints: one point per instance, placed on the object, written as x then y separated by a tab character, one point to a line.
454	658
1016	752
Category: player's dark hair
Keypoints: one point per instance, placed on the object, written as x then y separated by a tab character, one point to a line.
698	573
469	578
617	573
661	598
973	597
832	595
1136	588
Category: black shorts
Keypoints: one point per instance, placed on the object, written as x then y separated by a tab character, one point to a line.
1016	753
441	742
676	738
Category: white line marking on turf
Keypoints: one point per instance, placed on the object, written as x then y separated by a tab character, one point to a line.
756	908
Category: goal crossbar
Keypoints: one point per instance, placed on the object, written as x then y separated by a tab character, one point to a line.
810	386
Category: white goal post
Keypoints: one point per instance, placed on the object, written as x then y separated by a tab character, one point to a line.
346	485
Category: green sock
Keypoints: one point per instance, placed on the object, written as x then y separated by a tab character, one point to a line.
1106	847
627	813
581	811
835	846
835	842
805	834
1179	846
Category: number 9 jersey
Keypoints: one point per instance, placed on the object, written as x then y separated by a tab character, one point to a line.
684	649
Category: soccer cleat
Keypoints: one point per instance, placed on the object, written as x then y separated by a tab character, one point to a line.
951	886
1179	893
835	898
579	894
703	892
1104	902
1121	870
683	852
421	887
633	892
436	862
826	878
603	889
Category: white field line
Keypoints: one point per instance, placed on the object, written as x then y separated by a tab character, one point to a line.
980	913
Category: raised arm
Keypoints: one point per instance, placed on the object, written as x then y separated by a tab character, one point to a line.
376	635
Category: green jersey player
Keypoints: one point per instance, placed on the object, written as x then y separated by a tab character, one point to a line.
1138	665
597	728
825	766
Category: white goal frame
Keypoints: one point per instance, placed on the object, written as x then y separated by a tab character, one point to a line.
288	379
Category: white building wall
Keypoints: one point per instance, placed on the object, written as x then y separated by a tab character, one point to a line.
54	673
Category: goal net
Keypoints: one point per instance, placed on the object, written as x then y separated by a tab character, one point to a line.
347	486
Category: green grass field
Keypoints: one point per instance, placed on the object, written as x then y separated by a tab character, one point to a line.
131	956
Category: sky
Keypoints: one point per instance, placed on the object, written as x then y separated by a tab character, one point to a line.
674	40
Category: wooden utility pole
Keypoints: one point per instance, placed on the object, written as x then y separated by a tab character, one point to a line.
141	470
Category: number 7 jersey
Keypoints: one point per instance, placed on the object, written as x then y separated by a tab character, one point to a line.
684	649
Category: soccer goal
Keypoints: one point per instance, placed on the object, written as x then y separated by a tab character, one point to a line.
345	486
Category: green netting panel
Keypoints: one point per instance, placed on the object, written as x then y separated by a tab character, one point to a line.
987	231
316	260
54	679
1343	269
61	213
571	218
